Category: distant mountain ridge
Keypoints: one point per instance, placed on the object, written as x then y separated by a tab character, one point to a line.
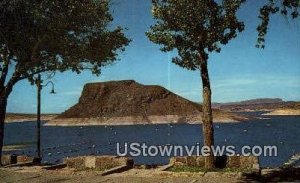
253	101
258	104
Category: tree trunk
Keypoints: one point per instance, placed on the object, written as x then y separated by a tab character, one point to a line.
3	104
39	87
208	129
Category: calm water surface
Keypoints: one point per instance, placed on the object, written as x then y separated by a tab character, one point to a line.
60	142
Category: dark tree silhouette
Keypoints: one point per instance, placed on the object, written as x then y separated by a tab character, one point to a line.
53	35
196	28
285	7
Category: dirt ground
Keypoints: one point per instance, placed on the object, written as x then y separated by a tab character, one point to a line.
36	174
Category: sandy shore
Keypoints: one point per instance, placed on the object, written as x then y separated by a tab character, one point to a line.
139	120
12	118
283	112
52	119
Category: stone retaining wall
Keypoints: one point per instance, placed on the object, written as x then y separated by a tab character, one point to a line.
243	162
97	162
14	159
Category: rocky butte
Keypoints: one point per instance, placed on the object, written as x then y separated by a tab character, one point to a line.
128	102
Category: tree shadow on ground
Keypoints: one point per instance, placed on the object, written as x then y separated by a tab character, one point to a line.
275	175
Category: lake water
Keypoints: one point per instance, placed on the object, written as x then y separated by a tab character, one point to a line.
60	142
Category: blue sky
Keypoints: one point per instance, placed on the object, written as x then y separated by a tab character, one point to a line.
239	72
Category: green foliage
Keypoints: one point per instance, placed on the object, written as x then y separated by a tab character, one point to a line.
285	7
195	28
55	35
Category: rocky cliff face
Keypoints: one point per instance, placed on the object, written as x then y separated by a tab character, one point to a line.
129	98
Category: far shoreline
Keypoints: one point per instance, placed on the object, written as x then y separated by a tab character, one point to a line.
283	112
51	120
131	124
22	117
